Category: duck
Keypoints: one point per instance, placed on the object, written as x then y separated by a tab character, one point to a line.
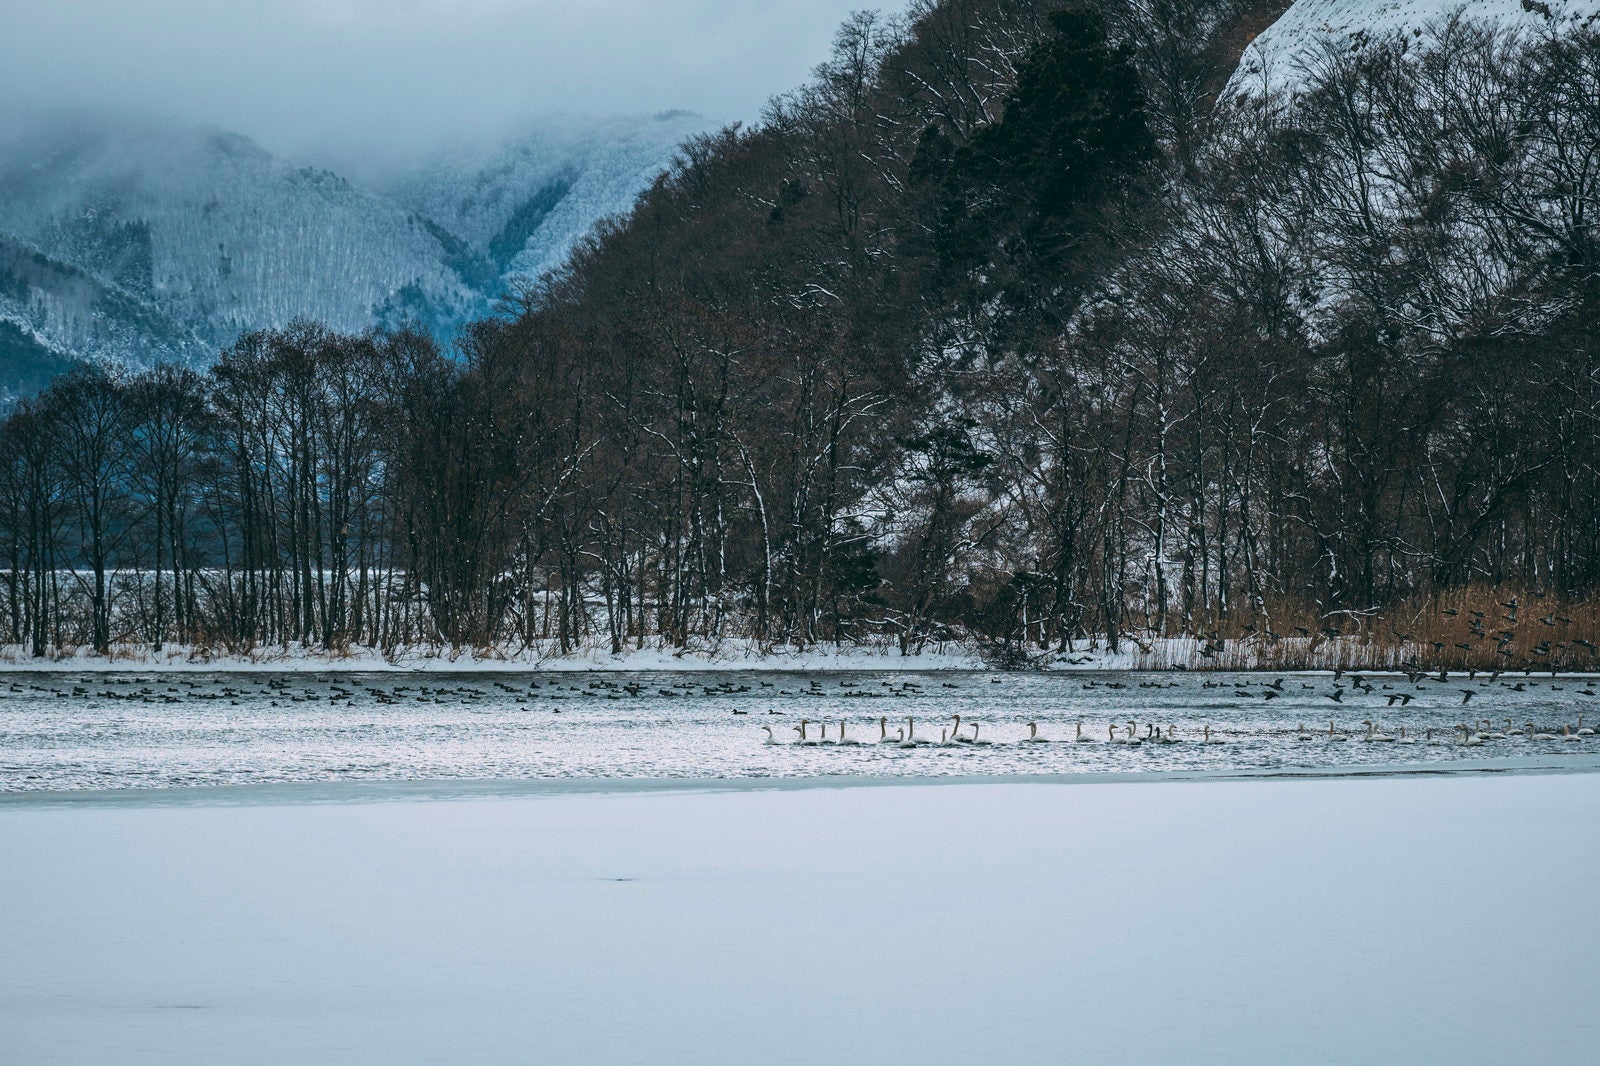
1033	736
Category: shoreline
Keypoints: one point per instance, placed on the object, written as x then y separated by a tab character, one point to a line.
865	659
1182	654
365	792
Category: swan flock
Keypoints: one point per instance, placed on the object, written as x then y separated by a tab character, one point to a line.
813	733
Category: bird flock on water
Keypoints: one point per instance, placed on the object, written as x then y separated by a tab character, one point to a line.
954	735
1468	733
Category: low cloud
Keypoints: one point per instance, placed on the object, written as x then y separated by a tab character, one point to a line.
326	77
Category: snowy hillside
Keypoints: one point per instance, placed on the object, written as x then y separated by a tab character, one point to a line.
1276	60
53	313
216	232
167	242
522	203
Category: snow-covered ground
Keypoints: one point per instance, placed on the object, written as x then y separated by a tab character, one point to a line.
1290	653
725	655
1276	60
1238	922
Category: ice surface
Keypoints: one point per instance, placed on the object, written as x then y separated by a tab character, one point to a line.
1416	921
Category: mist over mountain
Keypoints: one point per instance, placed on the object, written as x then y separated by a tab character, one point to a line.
135	242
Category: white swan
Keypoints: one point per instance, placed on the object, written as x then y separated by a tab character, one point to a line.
1490	732
975	739
1111	736
883	733
1335	737
1033	736
1568	734
843	741
1303	735
1080	738
1133	734
1468	738
955	731
1405	739
910	739
1532	735
804	740
1583	730
1209	739
770	738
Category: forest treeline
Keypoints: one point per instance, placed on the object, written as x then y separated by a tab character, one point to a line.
1010	325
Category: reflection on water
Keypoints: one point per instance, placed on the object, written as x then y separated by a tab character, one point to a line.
141	730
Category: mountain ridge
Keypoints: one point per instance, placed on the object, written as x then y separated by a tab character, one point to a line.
188	236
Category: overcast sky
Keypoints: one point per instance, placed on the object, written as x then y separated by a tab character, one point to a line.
299	75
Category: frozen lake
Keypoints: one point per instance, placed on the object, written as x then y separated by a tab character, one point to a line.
115	731
1225	923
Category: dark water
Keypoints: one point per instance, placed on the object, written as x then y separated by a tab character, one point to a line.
108	731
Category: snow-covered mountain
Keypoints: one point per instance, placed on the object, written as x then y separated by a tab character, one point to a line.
1278	58
522	202
133	242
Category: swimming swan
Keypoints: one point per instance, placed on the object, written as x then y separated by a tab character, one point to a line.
1033	736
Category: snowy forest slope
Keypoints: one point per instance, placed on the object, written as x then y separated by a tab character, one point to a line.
190	236
1278	59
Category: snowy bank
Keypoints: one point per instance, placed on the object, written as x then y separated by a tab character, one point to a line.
1164	653
1229	922
724	655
